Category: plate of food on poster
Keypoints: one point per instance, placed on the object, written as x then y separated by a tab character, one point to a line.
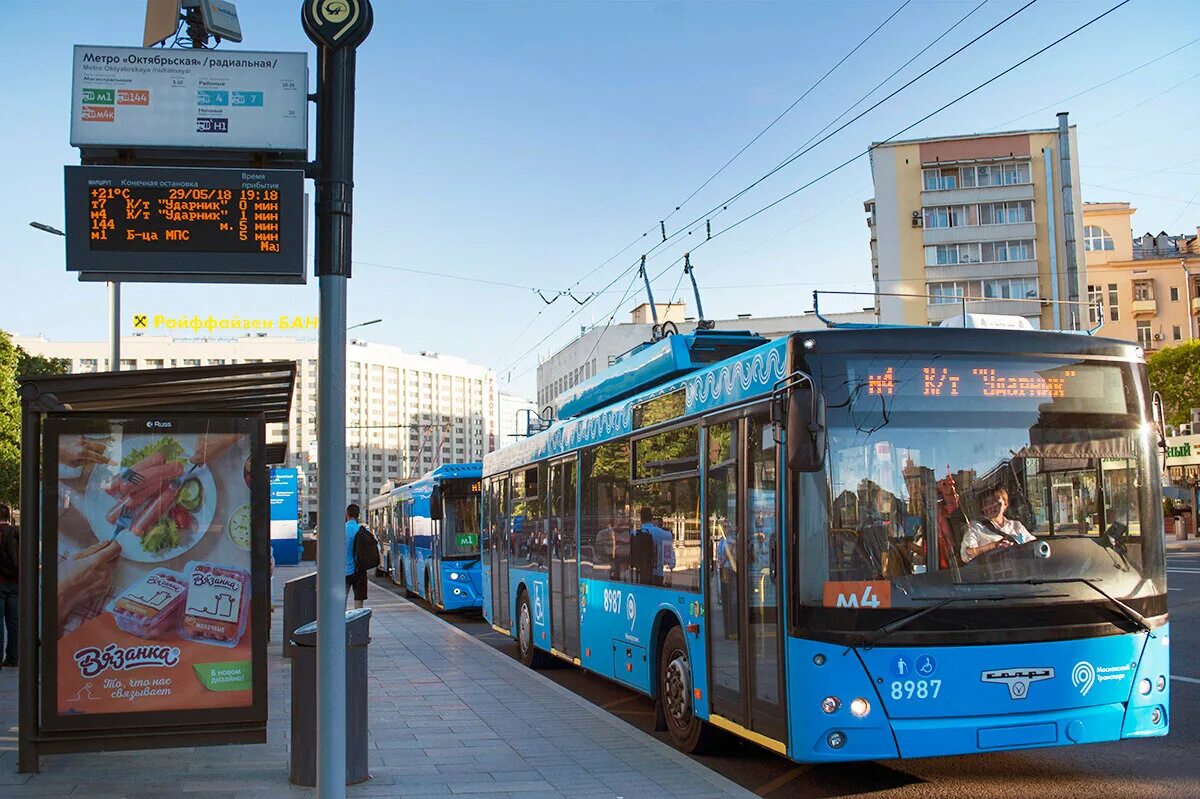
157	502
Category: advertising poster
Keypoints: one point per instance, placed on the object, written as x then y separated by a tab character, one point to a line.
285	503
154	521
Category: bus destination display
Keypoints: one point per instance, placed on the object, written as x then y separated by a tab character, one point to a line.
161	223
929	384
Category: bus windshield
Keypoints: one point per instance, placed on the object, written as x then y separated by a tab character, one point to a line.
460	521
1006	480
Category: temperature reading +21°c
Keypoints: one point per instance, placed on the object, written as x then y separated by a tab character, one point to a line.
184	219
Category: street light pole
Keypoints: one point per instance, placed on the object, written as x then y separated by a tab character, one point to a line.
114	307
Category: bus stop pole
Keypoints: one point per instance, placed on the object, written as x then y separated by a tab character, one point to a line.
331	541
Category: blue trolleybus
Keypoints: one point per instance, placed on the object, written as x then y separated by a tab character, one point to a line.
850	544
429	536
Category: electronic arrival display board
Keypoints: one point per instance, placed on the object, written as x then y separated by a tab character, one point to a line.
169	224
951	382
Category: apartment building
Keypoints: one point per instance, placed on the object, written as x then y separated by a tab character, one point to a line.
986	219
598	347
405	412
1144	289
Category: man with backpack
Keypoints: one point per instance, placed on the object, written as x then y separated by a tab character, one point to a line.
362	553
10	550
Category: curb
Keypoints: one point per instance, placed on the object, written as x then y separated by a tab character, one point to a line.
670	753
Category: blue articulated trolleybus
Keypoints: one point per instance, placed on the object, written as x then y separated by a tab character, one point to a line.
429	536
850	544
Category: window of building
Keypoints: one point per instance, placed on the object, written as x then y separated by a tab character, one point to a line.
1007	213
1010	288
216	361
1003	174
1174	293
1113	314
88	364
128	363
1143	334
1095	298
941	179
1000	251
1143	290
1176	333
950	291
1096	238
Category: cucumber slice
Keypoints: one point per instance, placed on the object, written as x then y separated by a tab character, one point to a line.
191	495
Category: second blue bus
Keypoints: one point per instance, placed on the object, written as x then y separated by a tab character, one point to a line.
428	533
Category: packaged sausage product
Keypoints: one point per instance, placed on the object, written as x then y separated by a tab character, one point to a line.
217	604
149	607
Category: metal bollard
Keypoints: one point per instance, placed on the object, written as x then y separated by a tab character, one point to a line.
299	607
304	700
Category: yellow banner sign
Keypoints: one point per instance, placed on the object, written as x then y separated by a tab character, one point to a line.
210	324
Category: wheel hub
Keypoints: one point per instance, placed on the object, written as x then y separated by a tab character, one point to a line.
677	694
526	633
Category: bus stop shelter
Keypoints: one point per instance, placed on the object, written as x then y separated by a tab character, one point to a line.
257	393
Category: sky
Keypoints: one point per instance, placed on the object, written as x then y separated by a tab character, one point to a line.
539	144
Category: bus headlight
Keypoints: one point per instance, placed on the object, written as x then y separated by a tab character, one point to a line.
860	707
836	740
453	575
1161	683
1144	687
831	704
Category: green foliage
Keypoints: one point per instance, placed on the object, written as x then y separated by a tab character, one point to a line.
1175	373
16	362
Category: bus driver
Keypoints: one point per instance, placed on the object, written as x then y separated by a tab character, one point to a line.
993	531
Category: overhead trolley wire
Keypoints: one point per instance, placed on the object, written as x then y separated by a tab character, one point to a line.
694	225
795	102
925	118
1099	85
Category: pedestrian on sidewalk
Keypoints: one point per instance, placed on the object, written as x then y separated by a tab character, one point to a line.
356	577
10	554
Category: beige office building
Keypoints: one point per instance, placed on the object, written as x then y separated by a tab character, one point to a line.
1144	289
980	219
405	412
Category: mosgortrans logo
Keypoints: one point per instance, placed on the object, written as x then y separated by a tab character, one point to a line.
1084	675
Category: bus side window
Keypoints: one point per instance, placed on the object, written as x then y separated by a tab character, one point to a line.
605	534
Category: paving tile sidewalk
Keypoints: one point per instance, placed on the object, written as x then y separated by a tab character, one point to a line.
449	716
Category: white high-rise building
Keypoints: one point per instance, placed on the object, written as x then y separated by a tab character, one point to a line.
406	413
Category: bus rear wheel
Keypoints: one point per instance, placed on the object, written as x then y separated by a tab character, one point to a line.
675	691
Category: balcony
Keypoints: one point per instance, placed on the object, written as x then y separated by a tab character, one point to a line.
1196	305
1145	307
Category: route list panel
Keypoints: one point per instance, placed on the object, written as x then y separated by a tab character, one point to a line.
165	218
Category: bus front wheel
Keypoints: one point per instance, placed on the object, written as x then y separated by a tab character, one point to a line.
675	690
529	654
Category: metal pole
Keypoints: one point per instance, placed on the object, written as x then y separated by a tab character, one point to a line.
331	541
1068	210
114	326
1187	294
29	587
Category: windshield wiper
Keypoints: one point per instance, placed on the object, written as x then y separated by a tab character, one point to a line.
871	638
1138	619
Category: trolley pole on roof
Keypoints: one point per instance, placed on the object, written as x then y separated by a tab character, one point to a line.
337	29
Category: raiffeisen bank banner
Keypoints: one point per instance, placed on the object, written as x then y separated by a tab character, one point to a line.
228	99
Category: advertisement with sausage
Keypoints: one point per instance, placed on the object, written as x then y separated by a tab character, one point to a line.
154	525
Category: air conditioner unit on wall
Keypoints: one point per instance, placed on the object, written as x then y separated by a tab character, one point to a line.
916	219
1158	336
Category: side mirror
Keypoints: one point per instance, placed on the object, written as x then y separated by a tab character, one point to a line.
806	436
435	504
1160	418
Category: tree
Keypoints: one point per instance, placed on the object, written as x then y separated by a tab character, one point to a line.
1175	373
15	362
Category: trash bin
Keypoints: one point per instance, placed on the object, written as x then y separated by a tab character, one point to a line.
304	700
299	607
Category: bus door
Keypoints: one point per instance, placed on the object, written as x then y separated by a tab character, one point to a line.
501	611
742	559
564	559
